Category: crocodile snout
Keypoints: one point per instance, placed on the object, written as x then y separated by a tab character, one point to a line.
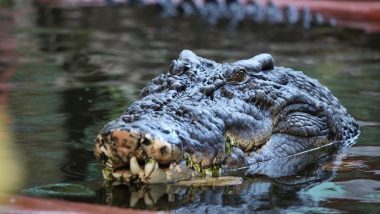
140	151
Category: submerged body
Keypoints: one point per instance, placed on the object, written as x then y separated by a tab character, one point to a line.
203	117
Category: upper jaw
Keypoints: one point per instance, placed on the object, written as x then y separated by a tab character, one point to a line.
149	137
155	151
135	154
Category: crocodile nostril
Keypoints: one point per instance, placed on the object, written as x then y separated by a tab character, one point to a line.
164	150
146	142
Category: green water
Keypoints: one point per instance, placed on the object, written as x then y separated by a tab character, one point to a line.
69	71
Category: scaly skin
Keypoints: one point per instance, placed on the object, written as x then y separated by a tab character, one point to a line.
204	117
236	11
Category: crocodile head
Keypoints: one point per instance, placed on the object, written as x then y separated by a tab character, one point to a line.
203	117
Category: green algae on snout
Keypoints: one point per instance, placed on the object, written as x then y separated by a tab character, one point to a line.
107	173
211	171
229	144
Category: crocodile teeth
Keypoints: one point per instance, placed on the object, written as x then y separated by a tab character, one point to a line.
108	164
134	166
149	167
116	175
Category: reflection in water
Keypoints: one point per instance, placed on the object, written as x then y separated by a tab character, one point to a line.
80	67
269	185
79	123
78	119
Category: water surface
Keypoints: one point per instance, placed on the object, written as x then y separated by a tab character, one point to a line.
66	72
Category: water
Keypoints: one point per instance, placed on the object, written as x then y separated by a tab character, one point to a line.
66	72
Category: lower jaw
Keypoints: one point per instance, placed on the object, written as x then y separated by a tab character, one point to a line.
150	174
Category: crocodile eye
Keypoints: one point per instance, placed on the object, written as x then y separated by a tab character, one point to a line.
239	75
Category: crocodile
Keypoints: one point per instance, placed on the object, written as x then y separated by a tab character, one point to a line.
238	11
203	118
215	12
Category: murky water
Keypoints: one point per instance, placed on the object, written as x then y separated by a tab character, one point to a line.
66	72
